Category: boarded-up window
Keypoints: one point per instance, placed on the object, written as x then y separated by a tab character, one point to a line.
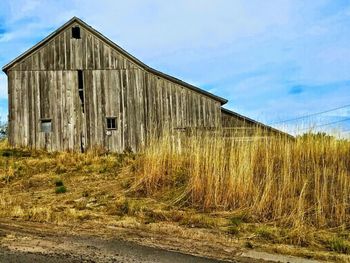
111	123
46	126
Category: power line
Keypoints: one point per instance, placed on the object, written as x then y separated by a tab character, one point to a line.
327	124
311	115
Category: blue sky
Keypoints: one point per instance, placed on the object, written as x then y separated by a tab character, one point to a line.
273	60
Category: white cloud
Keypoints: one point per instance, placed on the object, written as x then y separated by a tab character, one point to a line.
6	37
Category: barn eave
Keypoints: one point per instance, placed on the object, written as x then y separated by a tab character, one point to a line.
256	123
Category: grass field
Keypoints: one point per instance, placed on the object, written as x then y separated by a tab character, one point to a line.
277	194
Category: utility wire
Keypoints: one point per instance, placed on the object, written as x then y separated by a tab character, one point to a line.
326	124
311	115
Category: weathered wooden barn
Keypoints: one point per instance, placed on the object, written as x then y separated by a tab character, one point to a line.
76	89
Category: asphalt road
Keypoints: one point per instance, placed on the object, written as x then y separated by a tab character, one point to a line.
27	248
122	253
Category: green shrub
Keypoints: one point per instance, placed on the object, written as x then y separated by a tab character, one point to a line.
61	189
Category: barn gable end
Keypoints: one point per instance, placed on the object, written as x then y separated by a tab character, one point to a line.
63	52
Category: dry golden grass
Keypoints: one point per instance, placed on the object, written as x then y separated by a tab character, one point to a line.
265	192
302	182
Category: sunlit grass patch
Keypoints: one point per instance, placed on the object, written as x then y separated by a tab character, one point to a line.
339	245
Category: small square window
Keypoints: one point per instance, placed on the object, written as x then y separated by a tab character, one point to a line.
76	32
46	126
111	123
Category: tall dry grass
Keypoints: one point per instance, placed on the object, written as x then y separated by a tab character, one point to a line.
295	182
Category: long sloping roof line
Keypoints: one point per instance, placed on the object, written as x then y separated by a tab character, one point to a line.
259	124
114	45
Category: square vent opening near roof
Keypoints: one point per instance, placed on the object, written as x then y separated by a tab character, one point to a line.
76	32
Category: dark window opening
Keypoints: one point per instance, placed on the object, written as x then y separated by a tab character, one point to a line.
81	88
111	123
80	80
76	32
46	125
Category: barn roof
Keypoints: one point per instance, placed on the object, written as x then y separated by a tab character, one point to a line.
254	122
119	49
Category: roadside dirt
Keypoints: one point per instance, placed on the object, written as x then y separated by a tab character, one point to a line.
24	247
35	242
